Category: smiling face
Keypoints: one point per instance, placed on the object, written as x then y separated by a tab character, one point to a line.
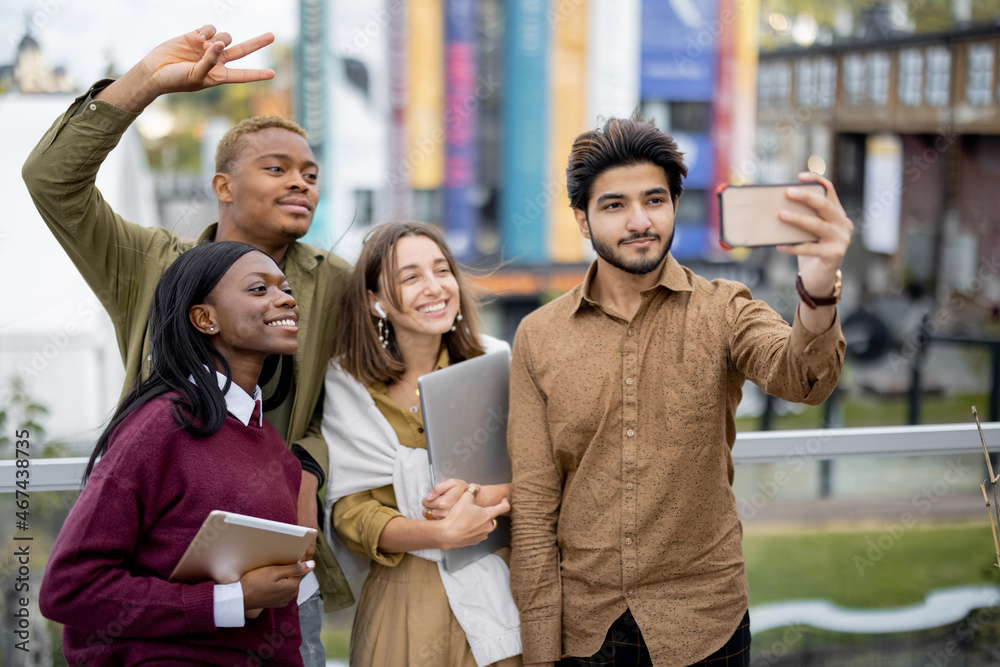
428	293
250	311
269	198
630	218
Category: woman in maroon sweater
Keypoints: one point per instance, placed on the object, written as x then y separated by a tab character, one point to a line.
186	441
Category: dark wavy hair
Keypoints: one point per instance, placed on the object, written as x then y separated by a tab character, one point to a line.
622	142
180	351
355	341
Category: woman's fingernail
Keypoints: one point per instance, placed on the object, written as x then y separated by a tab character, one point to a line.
310	564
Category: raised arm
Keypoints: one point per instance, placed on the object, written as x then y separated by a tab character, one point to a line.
113	255
192	61
820	261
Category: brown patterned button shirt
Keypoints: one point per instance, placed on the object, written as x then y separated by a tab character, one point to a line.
620	436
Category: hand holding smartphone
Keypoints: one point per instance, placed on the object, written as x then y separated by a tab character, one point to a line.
748	215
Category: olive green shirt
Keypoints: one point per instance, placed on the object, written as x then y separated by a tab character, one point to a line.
122	262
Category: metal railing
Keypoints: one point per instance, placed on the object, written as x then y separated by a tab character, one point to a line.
751	447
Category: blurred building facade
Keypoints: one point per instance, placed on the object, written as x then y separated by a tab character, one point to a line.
908	127
29	73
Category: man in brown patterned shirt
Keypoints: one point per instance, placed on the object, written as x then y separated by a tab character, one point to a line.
626	541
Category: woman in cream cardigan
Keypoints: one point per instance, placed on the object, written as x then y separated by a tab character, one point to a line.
406	312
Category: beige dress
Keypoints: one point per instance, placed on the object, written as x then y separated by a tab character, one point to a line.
403	617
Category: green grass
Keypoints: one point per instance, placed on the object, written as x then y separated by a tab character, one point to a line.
881	411
336	641
844	568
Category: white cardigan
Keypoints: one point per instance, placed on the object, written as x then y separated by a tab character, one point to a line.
365	454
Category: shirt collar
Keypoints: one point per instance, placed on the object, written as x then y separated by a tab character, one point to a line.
672	277
443	361
304	256
238	403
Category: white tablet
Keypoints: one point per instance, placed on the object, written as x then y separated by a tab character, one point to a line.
228	545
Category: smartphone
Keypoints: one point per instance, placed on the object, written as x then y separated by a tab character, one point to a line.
748	215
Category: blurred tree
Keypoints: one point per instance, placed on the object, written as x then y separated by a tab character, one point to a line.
924	15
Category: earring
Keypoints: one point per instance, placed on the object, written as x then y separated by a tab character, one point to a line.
458	319
383	332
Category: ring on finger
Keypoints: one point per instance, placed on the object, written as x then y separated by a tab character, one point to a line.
429	514
494	524
473	490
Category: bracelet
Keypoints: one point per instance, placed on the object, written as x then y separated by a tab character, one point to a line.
816	301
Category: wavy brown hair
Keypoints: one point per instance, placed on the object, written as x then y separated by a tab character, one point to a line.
356	346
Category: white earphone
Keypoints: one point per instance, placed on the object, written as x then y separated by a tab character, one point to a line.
379	310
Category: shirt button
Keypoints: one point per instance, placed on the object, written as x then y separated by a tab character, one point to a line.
93	107
630	486
628	381
628	540
630	433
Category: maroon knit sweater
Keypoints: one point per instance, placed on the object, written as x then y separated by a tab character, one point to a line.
106	580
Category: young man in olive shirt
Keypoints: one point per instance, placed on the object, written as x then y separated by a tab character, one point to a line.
626	540
267	190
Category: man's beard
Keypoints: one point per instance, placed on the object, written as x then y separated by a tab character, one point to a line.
638	267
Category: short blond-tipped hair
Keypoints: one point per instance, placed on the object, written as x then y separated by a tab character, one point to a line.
229	146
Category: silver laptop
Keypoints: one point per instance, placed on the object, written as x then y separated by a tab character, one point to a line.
465	408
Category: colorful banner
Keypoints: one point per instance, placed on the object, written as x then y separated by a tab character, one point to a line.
461	216
747	40
425	107
723	114
399	148
525	195
883	193
569	86
613	59
679	43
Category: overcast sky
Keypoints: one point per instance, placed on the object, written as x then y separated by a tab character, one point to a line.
84	35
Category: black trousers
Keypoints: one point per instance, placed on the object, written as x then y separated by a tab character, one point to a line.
624	646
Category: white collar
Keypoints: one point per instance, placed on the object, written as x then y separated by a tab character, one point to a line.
238	403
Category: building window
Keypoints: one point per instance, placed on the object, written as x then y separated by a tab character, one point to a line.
694	117
911	77
878	78
979	83
854	79
774	84
938	76
364	207
806	90
827	82
428	206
